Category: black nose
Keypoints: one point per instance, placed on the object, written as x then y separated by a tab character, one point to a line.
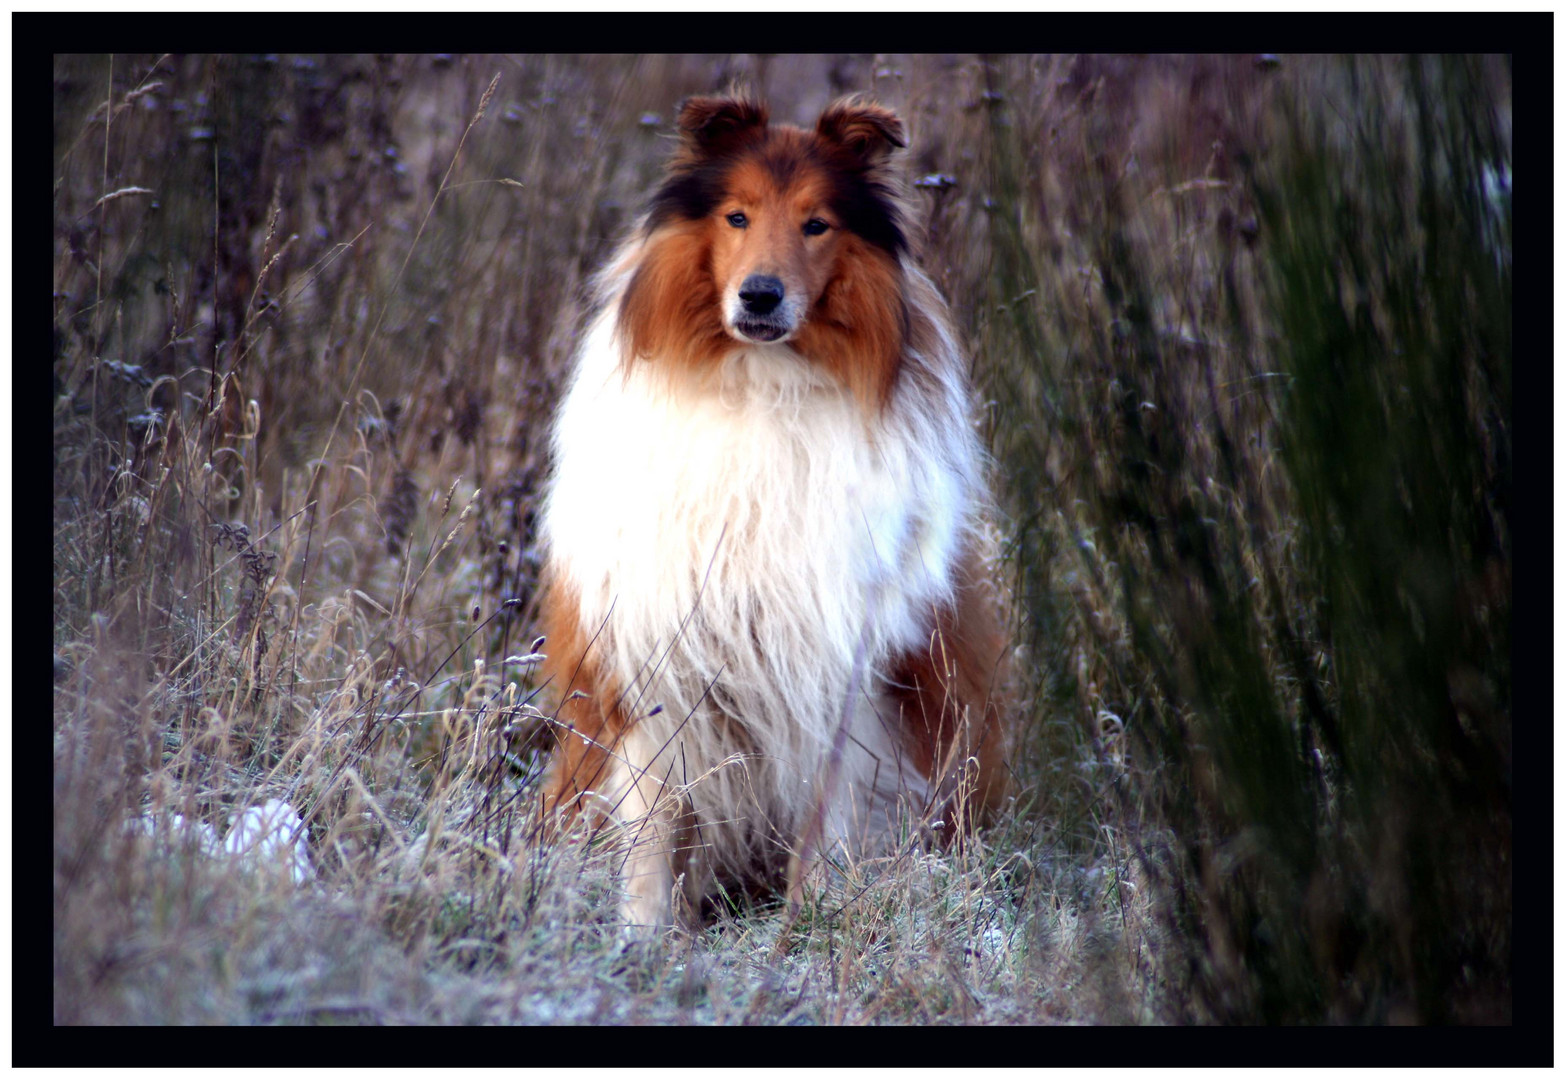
761	294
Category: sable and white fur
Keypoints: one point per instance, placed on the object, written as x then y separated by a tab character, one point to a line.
742	556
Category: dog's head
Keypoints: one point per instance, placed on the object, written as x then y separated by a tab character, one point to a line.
765	234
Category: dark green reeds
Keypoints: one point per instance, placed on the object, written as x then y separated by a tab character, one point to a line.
1255	416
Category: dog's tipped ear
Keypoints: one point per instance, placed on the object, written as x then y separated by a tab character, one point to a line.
709	123
869	132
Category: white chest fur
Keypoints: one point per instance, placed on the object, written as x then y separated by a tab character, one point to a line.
736	545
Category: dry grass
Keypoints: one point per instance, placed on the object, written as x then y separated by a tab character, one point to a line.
311	317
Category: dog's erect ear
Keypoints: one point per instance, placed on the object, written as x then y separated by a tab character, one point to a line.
869	132
711	123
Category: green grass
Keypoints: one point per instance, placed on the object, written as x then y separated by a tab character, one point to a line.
1241	332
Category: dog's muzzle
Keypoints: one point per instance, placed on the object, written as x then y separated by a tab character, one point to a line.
762	315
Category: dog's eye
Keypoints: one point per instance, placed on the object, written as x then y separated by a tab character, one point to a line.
815	227
738	220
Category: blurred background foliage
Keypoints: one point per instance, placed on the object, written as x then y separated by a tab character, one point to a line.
1279	458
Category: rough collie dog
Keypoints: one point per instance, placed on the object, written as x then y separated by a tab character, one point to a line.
766	606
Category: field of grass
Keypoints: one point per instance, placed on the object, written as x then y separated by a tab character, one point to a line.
1241	329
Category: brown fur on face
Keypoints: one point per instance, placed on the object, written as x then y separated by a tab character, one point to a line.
670	308
776	210
811	211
